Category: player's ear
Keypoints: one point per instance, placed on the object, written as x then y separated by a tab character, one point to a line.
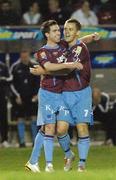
47	35
78	33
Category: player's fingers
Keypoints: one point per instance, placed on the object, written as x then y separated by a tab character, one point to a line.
36	66
96	36
32	70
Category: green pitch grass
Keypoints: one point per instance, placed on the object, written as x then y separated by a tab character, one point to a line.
101	165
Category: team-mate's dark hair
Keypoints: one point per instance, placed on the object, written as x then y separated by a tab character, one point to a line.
45	27
77	23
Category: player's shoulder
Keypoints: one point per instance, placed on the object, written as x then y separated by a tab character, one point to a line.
42	49
41	52
63	43
83	44
80	46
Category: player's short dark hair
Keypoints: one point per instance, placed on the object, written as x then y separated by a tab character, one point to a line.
45	27
77	23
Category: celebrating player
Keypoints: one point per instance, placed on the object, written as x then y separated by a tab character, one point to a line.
51	105
64	139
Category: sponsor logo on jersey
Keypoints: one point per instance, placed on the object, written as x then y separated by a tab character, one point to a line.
76	52
43	55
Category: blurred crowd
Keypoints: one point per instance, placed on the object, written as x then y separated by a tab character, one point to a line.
34	12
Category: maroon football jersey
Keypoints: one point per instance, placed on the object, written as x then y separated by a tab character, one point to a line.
53	55
78	80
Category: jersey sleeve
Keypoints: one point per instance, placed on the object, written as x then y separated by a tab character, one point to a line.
85	53
63	43
41	57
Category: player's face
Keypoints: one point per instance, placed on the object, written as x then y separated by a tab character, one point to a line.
70	32
54	35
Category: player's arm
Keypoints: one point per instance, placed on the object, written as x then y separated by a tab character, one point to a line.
59	69
38	70
55	67
52	67
89	38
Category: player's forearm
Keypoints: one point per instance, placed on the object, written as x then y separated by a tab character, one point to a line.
62	72
74	65
70	65
89	38
86	39
38	70
56	67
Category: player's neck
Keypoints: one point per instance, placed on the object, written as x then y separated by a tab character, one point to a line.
51	43
72	43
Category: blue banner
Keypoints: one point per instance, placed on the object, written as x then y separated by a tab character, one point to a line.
16	34
105	32
103	59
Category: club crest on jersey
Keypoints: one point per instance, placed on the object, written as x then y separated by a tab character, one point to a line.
43	55
62	59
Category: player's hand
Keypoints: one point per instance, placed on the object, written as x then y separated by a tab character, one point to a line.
78	65
37	70
96	36
34	71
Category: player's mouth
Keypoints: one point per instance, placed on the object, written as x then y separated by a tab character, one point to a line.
67	37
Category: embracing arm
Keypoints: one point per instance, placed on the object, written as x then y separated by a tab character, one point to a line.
55	67
38	70
90	38
59	69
